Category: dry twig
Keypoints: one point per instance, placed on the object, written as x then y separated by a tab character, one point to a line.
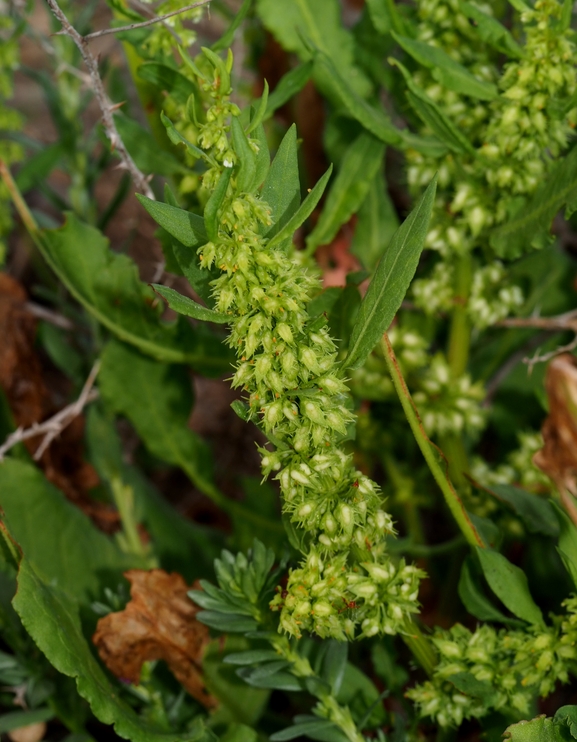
105	105
560	323
52	427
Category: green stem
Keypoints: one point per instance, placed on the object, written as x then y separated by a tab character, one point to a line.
451	497
422	649
405	497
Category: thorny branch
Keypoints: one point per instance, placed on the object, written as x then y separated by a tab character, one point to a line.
142	24
52	427
105	105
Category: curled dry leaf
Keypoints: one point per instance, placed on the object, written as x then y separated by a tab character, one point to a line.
159	623
558	457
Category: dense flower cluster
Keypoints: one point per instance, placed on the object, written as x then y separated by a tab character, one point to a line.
510	668
288	368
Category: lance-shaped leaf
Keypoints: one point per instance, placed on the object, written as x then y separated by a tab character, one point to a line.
475	600
358	167
391	280
281	189
246	157
491	31
377	221
449	73
227	38
303	212
433	116
186	227
509	584
188	307
290	84
214	203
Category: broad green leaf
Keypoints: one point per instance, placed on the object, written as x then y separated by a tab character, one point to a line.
535	512
214	204
145	151
381	16
108	286
306	729
247	158
184	305
58	540
357	169
303	212
540	729
318	22
475	601
186	227
566	14
373	119
509	584
179	544
433	116
281	189
359	693
18	719
288	86
567	544
51	618
446	71
530	225
391	280
568	715
168	79
227	37
468	684
491	31
377	221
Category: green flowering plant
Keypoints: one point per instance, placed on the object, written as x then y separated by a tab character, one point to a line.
400	566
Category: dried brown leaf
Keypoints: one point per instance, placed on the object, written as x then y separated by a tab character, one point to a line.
558	457
159	623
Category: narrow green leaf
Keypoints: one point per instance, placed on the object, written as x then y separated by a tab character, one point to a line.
303	212
566	14
358	167
176	138
449	73
39	166
373	119
169	80
334	664
251	657
377	222
279	681
304	729
51	618
288	86
185	226
227	38
391	280
433	116
214	203
475	601
262	156
281	189
509	584
188	307
235	623
567	544
530	225
18	719
520	6
241	409
258	116
199	278
536	513
491	31
247	158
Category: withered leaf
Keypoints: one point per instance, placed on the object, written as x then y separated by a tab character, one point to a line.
159	623
558	457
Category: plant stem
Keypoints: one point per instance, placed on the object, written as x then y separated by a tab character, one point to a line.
404	496
451	497
422	649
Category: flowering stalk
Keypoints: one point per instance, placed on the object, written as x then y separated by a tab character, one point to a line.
346	585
